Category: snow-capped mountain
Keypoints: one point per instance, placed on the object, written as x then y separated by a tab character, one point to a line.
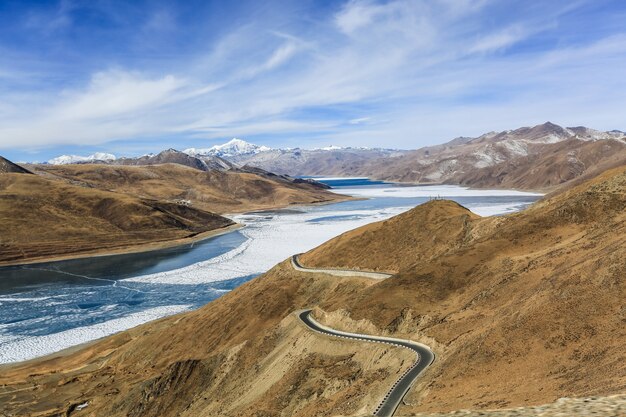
234	147
73	159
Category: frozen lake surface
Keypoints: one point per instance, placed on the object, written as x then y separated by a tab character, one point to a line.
51	306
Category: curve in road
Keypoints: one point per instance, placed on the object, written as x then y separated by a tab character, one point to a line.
295	263
391	401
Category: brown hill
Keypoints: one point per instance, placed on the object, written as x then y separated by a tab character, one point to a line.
7	166
213	190
555	165
534	158
391	246
42	218
520	310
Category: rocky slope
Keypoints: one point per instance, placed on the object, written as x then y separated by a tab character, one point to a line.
172	156
329	161
521	310
534	158
7	167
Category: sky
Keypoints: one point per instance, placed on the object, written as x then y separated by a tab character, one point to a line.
136	77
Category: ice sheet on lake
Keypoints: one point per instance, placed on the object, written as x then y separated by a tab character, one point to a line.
275	237
271	239
15	348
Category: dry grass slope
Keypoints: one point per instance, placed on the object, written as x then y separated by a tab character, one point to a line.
521	310
216	191
42	218
72	210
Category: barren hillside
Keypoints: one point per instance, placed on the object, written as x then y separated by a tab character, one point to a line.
213	190
520	310
42	218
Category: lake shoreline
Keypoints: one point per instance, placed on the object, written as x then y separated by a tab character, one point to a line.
140	248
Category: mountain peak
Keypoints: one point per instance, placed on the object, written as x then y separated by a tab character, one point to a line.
233	147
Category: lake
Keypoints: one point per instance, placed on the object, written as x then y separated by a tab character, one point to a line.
47	307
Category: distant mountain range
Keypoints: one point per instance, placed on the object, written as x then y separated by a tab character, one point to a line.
538	157
75	159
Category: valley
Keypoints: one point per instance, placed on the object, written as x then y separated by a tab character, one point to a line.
112	293
80	210
466	313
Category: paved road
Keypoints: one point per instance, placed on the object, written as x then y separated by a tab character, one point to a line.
337	272
391	401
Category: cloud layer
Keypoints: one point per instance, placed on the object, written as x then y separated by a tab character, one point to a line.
395	73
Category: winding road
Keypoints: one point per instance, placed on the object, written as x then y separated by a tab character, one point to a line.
424	356
295	263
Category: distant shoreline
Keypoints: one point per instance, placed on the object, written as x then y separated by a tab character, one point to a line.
139	248
153	246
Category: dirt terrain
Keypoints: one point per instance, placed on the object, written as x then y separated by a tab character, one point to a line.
214	190
520	310
41	218
76	210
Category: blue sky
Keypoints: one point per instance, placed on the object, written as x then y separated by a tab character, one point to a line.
137	77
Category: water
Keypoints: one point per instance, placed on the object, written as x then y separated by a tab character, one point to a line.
47	307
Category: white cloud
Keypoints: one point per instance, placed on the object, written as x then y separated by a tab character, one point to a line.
357	14
114	93
424	71
359	120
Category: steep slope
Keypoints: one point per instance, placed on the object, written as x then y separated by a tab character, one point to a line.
42	218
218	191
7	167
541	157
244	354
391	245
520	310
527	310
553	166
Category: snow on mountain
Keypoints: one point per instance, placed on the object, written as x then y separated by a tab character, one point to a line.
234	147
72	159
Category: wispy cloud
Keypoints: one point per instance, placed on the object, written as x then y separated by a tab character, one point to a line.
403	73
